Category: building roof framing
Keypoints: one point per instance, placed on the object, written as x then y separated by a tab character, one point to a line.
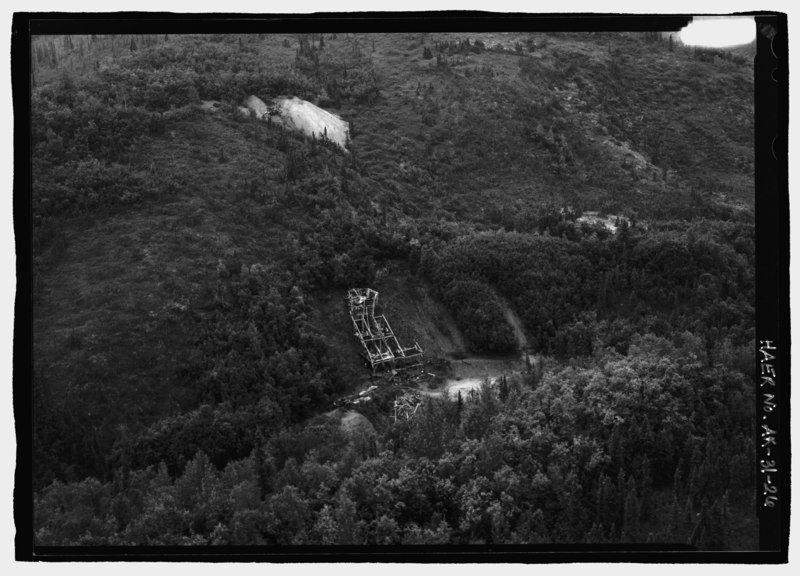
379	344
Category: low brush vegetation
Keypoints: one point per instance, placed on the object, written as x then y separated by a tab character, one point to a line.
183	380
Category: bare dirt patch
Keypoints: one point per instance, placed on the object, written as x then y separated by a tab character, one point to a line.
354	423
416	314
470	373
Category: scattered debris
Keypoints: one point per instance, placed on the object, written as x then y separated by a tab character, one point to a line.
611	222
406	406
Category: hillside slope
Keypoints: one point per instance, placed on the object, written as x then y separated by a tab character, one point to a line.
189	265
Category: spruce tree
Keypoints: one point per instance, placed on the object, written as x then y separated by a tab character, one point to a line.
630	526
716	538
346	520
538	527
674	514
606	509
53	56
595	535
688	511
503	389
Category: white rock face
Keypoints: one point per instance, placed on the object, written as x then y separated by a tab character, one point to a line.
296	114
257	105
311	120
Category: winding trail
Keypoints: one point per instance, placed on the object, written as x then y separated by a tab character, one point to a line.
516	323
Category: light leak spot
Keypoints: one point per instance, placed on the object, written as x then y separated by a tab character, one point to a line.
719	32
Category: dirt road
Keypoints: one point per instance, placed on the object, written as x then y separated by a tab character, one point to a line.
516	323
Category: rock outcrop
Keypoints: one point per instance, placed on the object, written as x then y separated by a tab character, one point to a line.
301	116
257	106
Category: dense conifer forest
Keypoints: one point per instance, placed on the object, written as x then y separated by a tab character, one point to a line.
191	348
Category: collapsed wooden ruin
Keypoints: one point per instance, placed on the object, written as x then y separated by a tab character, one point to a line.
380	345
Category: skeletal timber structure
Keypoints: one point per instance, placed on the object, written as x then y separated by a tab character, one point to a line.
381	348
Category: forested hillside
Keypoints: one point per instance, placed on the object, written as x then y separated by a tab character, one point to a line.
191	352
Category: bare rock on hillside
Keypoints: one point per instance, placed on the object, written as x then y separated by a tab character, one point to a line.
257	106
301	116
